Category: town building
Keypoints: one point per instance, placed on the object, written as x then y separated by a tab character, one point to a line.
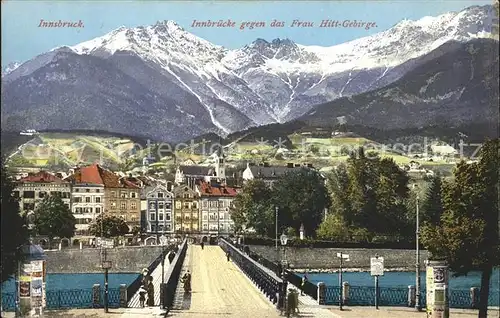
159	211
186	210
96	191
270	174
190	175
34	187
216	203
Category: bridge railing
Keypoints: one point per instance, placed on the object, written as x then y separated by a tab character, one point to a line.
172	277
267	281
134	286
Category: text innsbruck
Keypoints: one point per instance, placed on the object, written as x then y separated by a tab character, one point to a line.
60	24
325	23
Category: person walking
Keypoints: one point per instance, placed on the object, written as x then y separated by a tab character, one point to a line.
202	245
186	280
303	284
228	255
151	292
142	295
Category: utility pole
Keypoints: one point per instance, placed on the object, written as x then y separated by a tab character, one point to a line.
340	282
276	240
417	264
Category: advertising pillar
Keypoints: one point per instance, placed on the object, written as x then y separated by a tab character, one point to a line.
437	290
31	284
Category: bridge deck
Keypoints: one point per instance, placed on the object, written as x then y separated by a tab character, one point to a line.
220	288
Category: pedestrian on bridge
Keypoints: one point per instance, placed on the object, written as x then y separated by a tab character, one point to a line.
228	255
202	245
142	295
151	292
303	284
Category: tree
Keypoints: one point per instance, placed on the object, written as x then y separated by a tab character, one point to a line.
432	206
334	228
301	196
494	30
14	232
253	208
467	236
53	218
108	227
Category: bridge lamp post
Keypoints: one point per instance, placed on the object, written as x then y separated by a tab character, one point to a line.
284	240
418	306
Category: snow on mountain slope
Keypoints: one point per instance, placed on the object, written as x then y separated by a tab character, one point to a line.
292	77
266	82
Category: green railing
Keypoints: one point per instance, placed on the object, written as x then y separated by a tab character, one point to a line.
68	298
398	297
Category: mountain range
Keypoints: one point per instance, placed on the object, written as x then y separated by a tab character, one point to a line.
167	83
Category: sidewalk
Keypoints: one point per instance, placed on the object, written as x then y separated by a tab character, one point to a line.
400	312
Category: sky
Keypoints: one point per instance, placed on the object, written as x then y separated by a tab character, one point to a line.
23	38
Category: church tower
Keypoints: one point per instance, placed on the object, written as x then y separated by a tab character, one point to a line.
220	164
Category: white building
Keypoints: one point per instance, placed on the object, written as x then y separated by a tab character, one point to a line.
159	213
216	202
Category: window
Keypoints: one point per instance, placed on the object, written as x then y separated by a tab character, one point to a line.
15	194
204	216
221	216
195	205
123	205
78	199
167	216
113	204
168	206
178	204
29	206
87	199
123	194
29	194
160	205
213	204
133	205
97	190
97	199
42	194
205	204
77	190
205	226
87	190
153	227
160	216
221	204
152	216
186	195
152	206
133	195
186	205
160	194
97	210
113	194
168	228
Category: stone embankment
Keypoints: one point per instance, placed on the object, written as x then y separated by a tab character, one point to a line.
129	259
326	260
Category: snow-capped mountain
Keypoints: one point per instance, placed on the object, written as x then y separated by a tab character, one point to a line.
261	83
10	67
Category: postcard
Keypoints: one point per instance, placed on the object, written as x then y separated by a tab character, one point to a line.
236	131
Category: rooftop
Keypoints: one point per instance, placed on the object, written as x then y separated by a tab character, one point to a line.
216	190
95	174
42	177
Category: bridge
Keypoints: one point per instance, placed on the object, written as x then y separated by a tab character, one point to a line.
241	287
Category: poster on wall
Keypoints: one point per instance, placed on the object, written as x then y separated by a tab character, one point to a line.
430	289
24	289
37	266
36	288
25	270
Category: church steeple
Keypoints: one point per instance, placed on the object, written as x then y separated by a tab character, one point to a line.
220	164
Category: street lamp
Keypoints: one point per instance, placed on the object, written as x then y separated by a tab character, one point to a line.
284	240
106	265
417	263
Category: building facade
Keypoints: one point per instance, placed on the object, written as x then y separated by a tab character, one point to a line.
186	210
159	213
123	200
33	188
271	174
216	203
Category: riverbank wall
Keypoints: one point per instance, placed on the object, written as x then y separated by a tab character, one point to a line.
326	260
129	259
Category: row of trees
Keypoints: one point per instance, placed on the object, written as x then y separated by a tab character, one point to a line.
300	198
